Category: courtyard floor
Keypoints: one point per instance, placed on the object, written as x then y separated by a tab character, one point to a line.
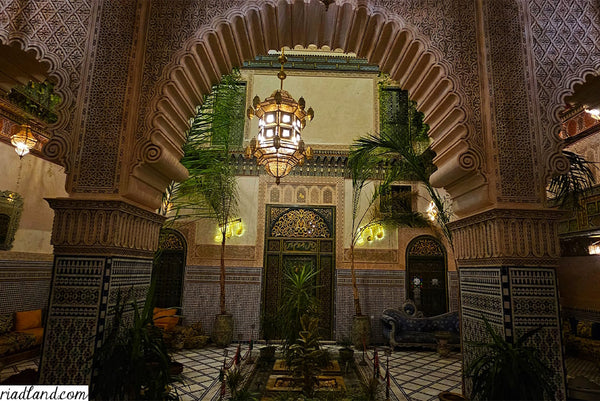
415	374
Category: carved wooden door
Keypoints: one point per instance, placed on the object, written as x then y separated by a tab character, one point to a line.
169	269
296	237
426	276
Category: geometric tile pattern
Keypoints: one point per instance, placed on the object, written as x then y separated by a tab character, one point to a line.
422	375
534	303
25	285
242	293
378	290
83	290
414	374
72	319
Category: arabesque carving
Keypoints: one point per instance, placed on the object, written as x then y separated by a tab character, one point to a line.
507	237
88	227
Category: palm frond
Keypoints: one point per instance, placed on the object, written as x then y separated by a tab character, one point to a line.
567	189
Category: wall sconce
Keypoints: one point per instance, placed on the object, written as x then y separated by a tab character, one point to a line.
233	228
371	232
23	140
432	211
594	249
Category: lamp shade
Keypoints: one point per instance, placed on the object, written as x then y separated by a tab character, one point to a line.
23	140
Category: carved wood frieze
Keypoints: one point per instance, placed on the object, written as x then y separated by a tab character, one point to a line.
507	237
103	227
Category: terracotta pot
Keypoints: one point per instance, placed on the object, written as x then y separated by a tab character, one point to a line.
361	329
223	330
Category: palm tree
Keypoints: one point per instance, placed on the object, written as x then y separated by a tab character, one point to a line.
211	191
404	148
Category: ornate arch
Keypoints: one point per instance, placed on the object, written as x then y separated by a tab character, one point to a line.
60	45
381	36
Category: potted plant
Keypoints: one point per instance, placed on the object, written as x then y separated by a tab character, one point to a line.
133	363
509	371
211	191
346	352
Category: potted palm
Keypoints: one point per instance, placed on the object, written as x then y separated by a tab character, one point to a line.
211	191
509	370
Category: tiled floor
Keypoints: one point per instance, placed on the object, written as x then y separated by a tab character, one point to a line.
415	375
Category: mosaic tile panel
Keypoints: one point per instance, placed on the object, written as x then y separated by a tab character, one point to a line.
242	291
72	320
24	285
453	301
534	303
378	290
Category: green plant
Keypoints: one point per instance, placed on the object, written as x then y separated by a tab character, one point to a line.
234	379
132	362
305	357
298	299
211	191
567	189
403	153
510	371
369	390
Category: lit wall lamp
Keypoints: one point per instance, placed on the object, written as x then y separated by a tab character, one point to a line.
594	249
23	140
432	211
233	228
594	112
369	233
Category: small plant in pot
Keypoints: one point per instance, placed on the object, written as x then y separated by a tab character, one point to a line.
510	371
346	352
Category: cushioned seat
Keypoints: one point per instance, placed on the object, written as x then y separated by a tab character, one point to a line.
165	318
13	342
406	327
37	332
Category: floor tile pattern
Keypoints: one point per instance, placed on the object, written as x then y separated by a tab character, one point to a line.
415	375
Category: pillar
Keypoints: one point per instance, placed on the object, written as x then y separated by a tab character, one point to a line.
507	263
102	248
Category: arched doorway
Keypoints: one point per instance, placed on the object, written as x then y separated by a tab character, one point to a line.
426	274
294	237
169	269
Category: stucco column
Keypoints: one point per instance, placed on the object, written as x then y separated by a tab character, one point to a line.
102	248
507	260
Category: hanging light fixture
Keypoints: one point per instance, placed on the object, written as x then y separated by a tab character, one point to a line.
594	111
23	140
279	145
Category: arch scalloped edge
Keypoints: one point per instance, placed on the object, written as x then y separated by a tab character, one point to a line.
556	163
57	150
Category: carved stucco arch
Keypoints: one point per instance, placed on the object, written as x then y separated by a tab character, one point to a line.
370	31
56	149
582	74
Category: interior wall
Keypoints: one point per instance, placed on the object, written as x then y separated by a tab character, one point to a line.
578	278
25	270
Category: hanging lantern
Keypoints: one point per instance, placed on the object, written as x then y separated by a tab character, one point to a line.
279	145
23	140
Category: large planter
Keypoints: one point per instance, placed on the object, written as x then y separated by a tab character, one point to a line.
361	331
448	396
223	330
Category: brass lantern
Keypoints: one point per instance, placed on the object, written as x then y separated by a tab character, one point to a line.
279	145
23	140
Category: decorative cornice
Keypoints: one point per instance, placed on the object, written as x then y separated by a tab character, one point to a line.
103	227
501	237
